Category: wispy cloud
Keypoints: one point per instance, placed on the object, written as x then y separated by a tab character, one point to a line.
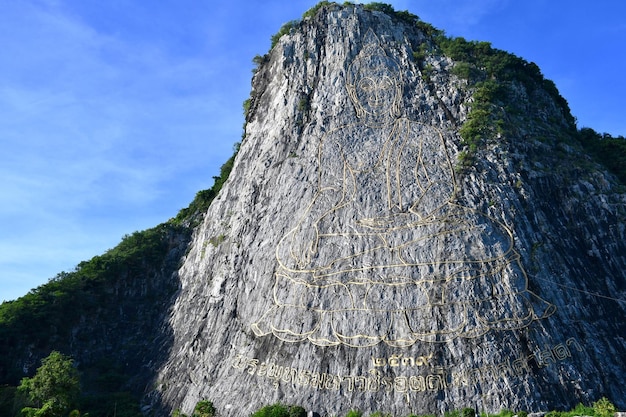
458	15
472	12
95	129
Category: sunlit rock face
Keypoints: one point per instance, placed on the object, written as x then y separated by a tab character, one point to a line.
351	263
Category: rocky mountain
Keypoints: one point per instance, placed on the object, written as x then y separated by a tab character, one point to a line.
412	226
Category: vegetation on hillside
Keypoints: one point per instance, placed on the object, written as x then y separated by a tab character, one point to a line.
606	149
280	410
495	77
200	204
498	79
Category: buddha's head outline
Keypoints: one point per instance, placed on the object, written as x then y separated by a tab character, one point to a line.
374	81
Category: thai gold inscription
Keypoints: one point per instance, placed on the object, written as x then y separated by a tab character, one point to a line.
400	360
437	378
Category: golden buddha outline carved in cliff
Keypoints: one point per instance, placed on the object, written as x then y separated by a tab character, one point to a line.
383	253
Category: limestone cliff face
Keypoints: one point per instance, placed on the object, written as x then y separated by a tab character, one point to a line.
353	261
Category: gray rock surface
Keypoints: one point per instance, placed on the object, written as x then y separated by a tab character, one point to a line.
349	263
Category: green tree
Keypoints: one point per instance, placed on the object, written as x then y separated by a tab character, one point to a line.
468	412
604	408
297	411
274	410
54	389
280	410
204	409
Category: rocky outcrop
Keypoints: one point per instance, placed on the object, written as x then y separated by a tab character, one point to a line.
354	259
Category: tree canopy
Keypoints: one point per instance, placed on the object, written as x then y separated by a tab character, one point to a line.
54	389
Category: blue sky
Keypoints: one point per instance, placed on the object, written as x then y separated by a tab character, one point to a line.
113	114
